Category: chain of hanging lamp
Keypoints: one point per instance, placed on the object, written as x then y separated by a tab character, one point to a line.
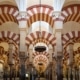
40	48
40	22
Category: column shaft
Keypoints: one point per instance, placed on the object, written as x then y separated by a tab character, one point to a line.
22	54
58	33
70	52
59	68
22	39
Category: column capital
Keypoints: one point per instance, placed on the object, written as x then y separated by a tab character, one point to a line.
59	55
56	14
22	58
22	54
23	14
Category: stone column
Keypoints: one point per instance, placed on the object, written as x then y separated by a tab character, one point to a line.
50	53
79	72
51	76
22	65
22	54
59	67
55	63
54	69
70	52
23	47
11	60
11	51
58	32
31	53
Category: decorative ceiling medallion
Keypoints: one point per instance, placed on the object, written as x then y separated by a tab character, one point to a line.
40	62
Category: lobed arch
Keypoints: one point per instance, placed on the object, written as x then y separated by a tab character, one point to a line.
41	59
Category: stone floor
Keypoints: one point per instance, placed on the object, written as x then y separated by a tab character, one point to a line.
26	79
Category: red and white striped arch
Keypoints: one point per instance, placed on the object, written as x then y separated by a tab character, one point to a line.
40	13
9	35
32	37
43	53
71	13
66	54
68	36
8	13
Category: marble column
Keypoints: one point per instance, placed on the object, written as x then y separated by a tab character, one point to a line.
54	76
22	65
22	54
11	51
58	49
70	52
30	53
23	47
79	72
59	67
11	60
